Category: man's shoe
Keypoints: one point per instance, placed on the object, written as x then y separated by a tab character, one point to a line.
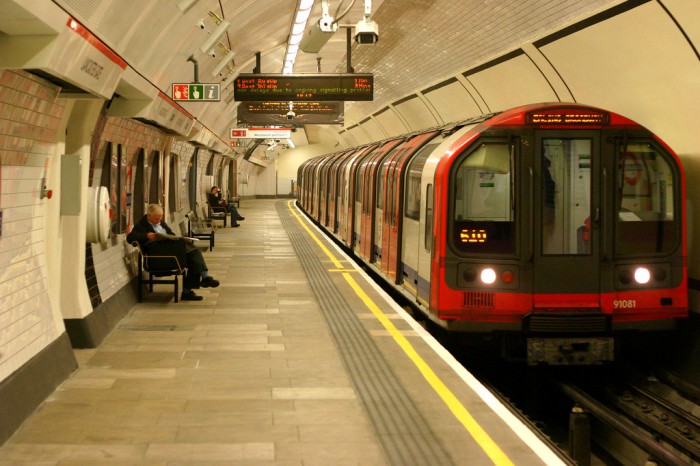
235	226
241	218
190	295
209	282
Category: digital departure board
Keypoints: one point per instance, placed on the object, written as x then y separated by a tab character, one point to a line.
268	113
308	87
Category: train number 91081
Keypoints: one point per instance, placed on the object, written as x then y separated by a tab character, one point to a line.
625	303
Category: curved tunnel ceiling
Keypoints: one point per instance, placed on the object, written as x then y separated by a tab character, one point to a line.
156	40
421	63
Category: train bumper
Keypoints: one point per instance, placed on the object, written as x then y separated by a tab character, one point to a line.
570	351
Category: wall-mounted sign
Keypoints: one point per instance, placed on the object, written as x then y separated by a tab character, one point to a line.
271	113
309	88
197	92
261	133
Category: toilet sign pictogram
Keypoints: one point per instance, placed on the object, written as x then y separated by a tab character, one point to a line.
197	92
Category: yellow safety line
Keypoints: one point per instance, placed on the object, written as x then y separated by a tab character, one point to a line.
460	412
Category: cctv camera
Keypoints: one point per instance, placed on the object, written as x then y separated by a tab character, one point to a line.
366	32
200	24
291	115
212	54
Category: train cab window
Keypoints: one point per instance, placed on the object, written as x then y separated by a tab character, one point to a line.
565	195
483	218
646	201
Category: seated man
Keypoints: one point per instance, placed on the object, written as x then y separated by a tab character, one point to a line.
147	230
215	200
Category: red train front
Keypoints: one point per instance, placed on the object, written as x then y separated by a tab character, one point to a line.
558	226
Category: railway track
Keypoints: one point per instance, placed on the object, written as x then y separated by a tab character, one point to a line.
653	417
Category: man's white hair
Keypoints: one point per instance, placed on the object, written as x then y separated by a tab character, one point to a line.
154	209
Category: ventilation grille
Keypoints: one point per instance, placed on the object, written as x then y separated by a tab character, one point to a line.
567	323
478	299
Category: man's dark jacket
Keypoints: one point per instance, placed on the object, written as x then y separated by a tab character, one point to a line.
142	228
194	261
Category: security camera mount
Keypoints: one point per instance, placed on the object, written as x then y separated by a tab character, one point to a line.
290	114
366	30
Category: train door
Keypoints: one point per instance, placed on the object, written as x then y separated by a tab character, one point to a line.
366	181
393	205
566	246
356	184
343	195
369	199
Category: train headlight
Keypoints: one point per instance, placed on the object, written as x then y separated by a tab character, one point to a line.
642	275
488	276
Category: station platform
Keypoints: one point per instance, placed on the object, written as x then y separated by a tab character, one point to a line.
296	359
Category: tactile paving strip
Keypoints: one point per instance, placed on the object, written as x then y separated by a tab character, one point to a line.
404	434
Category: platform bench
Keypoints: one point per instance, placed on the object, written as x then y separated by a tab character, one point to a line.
164	263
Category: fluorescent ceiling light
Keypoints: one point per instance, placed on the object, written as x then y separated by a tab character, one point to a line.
302	17
185	5
214	37
222	64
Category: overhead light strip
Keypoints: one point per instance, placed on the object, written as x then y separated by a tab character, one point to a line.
302	17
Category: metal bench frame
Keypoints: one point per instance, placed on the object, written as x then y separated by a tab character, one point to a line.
155	274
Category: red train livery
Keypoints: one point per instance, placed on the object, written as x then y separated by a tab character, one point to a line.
555	227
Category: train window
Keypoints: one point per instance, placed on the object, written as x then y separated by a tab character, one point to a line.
565	187
483	218
380	187
358	185
415	171
646	201
428	241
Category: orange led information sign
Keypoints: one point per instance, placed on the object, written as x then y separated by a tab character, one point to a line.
473	236
307	87
567	117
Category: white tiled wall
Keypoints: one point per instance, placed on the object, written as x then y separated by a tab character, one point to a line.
29	115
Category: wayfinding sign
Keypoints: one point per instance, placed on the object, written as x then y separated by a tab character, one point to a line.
197	92
303	87
261	133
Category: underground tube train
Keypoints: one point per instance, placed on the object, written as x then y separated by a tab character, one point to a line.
553	229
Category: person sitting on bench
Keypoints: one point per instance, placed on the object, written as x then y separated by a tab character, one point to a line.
215	200
151	228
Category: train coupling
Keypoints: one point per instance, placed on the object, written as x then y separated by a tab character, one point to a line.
570	351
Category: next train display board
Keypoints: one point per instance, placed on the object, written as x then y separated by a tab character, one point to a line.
307	87
278	113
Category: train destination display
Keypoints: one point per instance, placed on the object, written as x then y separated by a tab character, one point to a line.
316	87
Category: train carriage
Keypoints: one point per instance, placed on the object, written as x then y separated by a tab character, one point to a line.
559	225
